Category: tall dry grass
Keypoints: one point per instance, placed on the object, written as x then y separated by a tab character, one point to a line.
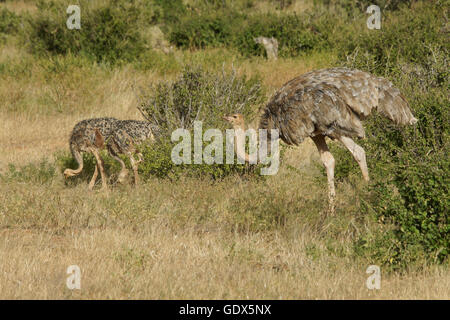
184	241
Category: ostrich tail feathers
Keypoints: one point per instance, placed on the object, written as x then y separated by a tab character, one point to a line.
393	105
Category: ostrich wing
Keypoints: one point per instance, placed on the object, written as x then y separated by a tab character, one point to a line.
332	102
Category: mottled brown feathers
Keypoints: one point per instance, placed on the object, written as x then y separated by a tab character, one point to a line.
332	102
127	133
119	136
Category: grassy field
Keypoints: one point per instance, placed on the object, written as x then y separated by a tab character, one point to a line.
237	238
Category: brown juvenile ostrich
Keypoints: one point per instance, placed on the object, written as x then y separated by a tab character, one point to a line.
118	136
88	136
329	103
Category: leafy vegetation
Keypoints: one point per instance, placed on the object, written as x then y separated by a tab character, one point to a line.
197	95
107	34
409	166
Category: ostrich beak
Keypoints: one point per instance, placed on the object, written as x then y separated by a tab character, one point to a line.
226	118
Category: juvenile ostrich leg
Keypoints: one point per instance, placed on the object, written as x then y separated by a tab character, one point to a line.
329	103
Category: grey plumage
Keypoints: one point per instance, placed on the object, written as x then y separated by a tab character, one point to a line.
329	103
332	102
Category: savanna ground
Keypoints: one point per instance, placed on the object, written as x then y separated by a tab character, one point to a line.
193	238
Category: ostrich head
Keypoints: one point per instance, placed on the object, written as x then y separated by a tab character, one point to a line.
237	120
68	173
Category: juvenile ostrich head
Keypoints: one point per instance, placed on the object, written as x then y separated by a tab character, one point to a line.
237	120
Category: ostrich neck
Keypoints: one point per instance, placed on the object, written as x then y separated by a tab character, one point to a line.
239	144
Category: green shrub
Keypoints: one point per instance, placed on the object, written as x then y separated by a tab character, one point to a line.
405	37
197	95
410	171
107	34
200	95
9	22
208	30
295	34
168	12
409	166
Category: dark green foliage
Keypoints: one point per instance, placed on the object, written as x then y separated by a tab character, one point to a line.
168	11
410	168
204	31
295	34
362	5
107	34
9	22
405	36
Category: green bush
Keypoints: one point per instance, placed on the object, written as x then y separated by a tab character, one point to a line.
107	34
295	34
197	95
168	12
405	36
410	171
9	22
202	31
200	95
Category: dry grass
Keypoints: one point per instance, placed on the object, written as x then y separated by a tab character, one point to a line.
165	241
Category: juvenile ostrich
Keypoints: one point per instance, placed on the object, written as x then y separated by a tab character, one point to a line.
88	136
118	136
329	103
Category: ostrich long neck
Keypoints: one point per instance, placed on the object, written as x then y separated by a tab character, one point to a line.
239	144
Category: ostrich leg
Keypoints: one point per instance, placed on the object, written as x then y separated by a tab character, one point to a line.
94	177
328	161
358	153
134	165
101	169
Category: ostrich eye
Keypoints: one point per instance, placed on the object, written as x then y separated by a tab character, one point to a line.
235	117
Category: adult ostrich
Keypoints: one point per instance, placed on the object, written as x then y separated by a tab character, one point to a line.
328	103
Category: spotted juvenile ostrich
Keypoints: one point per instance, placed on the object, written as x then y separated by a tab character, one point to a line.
88	136
329	103
118	136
